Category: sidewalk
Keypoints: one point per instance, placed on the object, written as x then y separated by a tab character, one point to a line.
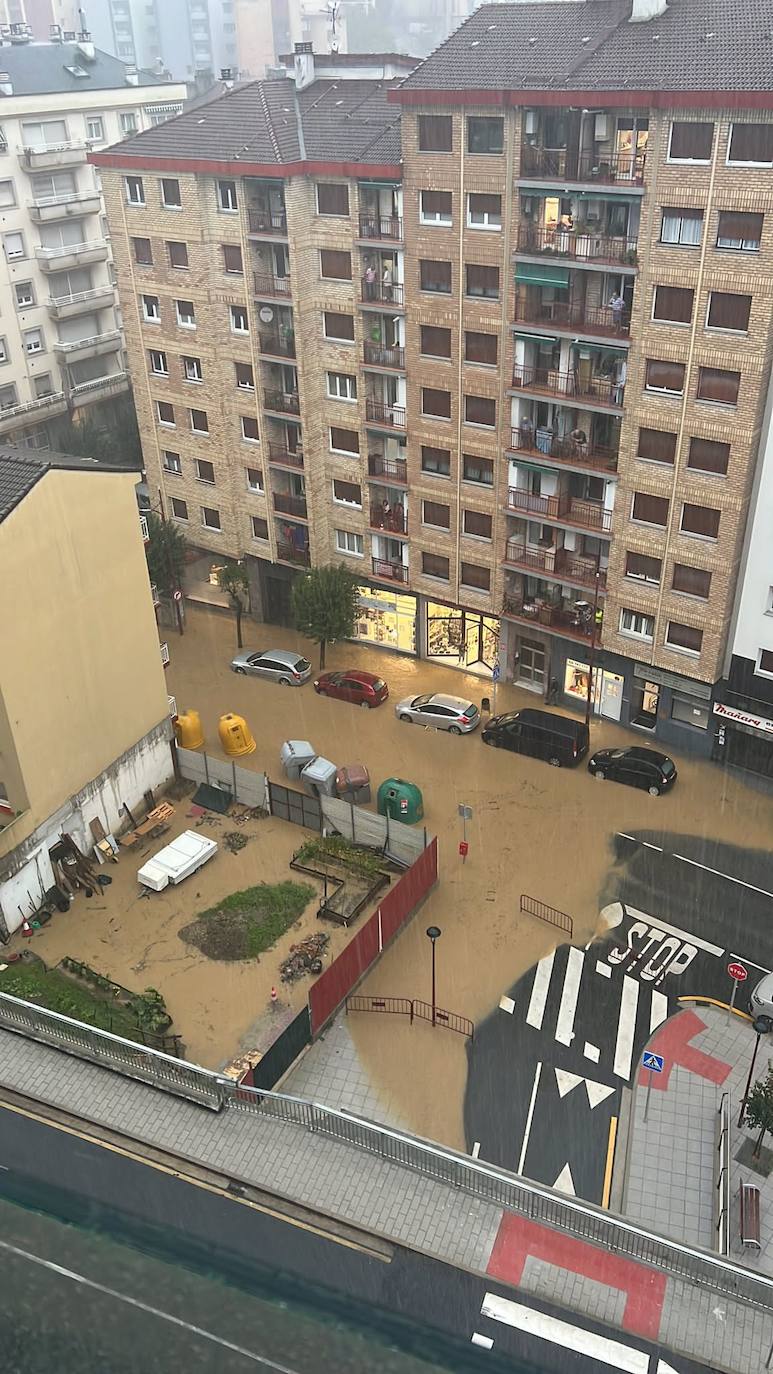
400	1205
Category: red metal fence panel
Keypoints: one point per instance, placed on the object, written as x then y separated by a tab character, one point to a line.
405	896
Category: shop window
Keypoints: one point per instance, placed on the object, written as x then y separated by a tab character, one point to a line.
436	133
688	711
684	637
657	446
435	276
434	565
708	455
386	618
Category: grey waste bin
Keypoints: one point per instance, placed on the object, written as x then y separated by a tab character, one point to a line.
294	755
319	778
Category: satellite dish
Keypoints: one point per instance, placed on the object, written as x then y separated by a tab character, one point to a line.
265	314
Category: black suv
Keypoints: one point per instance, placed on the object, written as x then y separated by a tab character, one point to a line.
645	768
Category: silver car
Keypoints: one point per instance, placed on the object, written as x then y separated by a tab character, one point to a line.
761	999
278	665
439	711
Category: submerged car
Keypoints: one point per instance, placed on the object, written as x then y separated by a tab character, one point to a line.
277	665
645	768
364	689
439	711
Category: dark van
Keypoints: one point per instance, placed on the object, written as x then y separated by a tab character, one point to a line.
557	739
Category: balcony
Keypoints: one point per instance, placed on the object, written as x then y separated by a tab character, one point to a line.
75	350
288	553
285	402
286	504
62	307
155	594
277	345
387	227
11	416
379	355
282	457
388	571
48	208
144	529
71	255
267	223
44	158
393	520
581	245
568	452
108	384
378	293
267	286
164	651
396	469
379	413
568	510
172	702
559	620
623	170
561	564
572	317
597	391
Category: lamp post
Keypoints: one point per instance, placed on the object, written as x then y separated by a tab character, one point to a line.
434	933
761	1025
592	652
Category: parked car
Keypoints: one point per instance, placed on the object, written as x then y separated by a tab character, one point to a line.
559	740
364	689
278	665
761	999
637	767
441	712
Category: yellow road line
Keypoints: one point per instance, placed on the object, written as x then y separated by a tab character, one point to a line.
195	1182
610	1160
712	1002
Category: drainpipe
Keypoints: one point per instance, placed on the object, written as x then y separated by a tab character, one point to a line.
459	352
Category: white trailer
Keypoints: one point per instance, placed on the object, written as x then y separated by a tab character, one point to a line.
177	860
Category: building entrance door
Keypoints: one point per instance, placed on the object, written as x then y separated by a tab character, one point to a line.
644	705
531	665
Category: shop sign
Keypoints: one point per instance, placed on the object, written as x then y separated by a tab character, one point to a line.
743	717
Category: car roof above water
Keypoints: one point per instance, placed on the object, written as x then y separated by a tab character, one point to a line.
546	720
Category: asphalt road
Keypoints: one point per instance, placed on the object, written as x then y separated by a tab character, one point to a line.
154	1273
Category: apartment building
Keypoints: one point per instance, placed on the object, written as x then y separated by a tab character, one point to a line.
61	345
506	348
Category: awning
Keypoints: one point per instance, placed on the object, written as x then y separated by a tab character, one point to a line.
541	274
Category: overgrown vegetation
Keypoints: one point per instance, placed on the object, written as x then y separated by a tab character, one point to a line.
50	988
334	849
165	552
106	431
246	923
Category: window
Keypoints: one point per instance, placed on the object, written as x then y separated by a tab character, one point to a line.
43	384
199	421
135	191
339	327
210	518
635	624
436	133
751	145
129	126
741	232
43	134
480	470
170	194
665	377
643	568
349	542
435	342
240	323
435	207
259	527
158	363
332	198
485	135
186	314
435	276
165	413
690	141
708	455
765	662
3	350
24	292
484	211
729	311
171	462
178	254
475	576
151	309
684	637
192	369
245	378
95	129
650	510
13	245
480	410
656	446
434	402
718	385
344	440
691	581
700	520
481	281
232	259
347	493
341	386
7	194
9	398
672	304
179	508
143	253
33	341
335	265
226	196
205	471
432	513
436	461
255	479
476	524
480	348
250	429
682	227
434	565
689	711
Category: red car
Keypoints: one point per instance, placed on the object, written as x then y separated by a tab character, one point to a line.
364	689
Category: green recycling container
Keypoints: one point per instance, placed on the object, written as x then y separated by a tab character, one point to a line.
400	800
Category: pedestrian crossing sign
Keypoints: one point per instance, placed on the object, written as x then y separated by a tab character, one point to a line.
653	1062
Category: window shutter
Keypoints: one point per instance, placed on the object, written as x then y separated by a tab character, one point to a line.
717	384
480	410
435	276
336	264
475	522
433	565
657	446
751	143
436	133
708	455
653	510
701	520
729	311
435	402
435	342
691	140
643	567
332	198
475	576
684	637
480	348
694	581
673	303
662	376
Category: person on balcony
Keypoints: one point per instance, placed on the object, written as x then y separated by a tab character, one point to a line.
386	282
617	306
370	280
386	514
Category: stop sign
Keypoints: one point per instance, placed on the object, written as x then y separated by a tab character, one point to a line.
738	972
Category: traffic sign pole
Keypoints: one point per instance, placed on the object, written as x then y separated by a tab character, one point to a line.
739	973
732	995
653	1063
647	1099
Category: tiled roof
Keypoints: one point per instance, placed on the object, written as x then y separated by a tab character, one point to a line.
42	69
591	45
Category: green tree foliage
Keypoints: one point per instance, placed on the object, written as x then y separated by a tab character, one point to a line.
107	431
165	552
759	1110
324	605
233	579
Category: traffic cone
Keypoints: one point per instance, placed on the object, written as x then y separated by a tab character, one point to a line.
26	929
274	997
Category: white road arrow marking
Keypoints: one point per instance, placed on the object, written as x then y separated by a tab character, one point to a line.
565	1183
507	1004
566	1081
658	1010
597	1092
664	1368
575	1338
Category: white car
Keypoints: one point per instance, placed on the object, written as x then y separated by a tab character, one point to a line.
439	711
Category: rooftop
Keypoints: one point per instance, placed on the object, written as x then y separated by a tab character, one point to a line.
54	68
21	471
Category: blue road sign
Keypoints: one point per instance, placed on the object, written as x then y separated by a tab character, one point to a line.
653	1062
496	673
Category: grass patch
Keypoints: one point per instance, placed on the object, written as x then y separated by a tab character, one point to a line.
246	923
33	982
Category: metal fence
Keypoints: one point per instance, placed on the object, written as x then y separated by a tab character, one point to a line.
722	1172
245	786
415	1009
543	912
400	842
297	807
282	1053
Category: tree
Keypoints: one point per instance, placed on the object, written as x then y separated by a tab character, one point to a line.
106	431
324	605
165	552
233	579
759	1110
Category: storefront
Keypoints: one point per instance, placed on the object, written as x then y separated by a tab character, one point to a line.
675	710
202	571
462	638
606	690
743	739
386	619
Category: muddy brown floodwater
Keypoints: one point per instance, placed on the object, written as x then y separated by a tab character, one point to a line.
535	830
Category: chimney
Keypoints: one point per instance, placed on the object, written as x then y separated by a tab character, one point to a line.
21	33
132	76
85	46
6	84
641	10
55	33
304	65
227	76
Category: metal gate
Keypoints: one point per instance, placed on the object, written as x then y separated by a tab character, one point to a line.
297	807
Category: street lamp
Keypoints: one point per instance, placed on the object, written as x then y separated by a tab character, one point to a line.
434	933
760	1024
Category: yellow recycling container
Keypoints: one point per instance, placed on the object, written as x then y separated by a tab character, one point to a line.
235	734
188	730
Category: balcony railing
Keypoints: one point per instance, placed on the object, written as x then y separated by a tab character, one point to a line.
395	520
144	529
597	390
93	341
155	594
378	413
572	510
573	315
396	469
55	398
389	571
581	244
164	649
68	250
81	297
290	505
283	345
285	457
559	164
575	453
70	198
266	284
267	221
381	227
288	553
109	382
379	355
563	620
287	402
377	292
561	564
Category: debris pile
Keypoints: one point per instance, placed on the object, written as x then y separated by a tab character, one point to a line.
234	840
305	957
